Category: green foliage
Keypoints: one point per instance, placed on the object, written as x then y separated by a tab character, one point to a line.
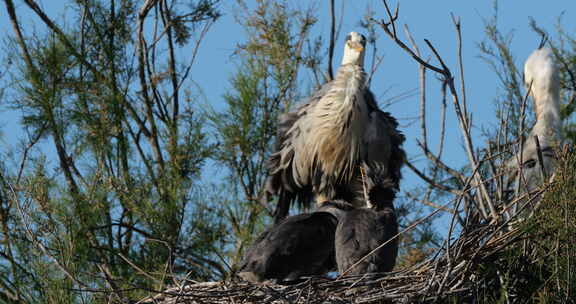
263	87
539	268
101	198
102	201
552	243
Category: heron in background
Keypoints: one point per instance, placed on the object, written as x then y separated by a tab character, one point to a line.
330	146
541	77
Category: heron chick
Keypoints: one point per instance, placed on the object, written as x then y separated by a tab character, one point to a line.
365	239
298	246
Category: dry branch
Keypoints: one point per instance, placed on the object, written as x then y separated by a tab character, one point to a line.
457	270
446	275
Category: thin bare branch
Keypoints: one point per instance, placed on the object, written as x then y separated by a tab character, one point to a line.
431	182
540	158
422	84
465	125
385	27
332	40
458	26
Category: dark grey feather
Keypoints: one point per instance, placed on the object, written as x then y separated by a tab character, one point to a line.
362	231
298	246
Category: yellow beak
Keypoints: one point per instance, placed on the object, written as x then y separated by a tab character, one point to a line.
357	46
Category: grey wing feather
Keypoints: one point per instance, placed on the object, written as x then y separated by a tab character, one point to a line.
299	245
281	180
360	232
384	156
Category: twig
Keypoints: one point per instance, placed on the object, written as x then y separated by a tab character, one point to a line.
39	244
464	126
520	179
401	44
540	159
422	84
458	25
438	163
364	188
394	17
332	40
431	182
431	204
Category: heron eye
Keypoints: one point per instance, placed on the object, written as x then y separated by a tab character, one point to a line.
348	37
531	163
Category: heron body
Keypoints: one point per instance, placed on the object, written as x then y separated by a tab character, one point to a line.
324	145
360	235
541	77
342	150
337	235
332	133
365	237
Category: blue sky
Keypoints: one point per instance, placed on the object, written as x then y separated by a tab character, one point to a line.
398	72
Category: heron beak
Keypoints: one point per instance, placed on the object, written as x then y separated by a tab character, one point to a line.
357	46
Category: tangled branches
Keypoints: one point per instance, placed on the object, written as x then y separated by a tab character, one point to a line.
455	272
493	253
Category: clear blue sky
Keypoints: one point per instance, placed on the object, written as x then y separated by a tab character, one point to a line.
398	72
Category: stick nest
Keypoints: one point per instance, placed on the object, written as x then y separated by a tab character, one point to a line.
454	271
520	259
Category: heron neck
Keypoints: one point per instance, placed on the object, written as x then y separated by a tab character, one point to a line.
546	101
340	119
352	57
547	126
352	78
547	110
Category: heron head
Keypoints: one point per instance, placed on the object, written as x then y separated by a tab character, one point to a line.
354	49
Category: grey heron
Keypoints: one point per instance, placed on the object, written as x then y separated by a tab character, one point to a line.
541	77
325	144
